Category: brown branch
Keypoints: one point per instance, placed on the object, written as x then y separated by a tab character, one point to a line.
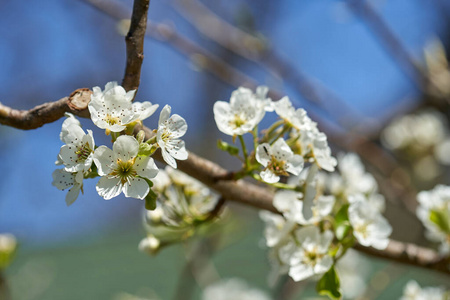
135	45
45	113
410	254
256	196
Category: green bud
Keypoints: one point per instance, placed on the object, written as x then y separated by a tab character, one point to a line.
224	146
145	150
140	136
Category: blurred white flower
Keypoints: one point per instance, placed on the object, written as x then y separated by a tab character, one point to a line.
183	203
413	291
244	111
308	255
436	204
369	227
170	128
290	204
278	159
149	245
233	289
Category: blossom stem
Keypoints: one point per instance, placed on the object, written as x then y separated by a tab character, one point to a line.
244	151
151	141
280	134
270	130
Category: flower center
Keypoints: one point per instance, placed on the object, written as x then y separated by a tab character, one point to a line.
237	121
277	166
112	120
83	152
124	170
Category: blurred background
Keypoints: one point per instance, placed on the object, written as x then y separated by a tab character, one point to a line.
355	66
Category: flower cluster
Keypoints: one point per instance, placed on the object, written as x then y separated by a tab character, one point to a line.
413	291
282	149
183	205
322	214
126	168
434	212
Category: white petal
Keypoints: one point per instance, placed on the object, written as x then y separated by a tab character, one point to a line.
307	235
165	113
323	265
177	149
269	177
125	147
263	154
72	194
109	187
144	109
295	165
62	179
168	158
73	135
177	125
301	272
104	160
136	188
145	167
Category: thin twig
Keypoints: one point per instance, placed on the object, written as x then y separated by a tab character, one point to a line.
135	45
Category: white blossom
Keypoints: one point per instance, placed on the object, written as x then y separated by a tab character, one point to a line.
170	128
244	111
143	110
70	120
297	118
8	243
183	202
278	159
418	132
290	204
122	170
436	201
308	256
112	109
66	180
77	154
369	227
232	289
277	228
413	291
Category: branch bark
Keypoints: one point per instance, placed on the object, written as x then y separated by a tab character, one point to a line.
135	45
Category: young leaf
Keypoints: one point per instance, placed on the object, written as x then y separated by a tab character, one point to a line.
441	219
329	285
342	223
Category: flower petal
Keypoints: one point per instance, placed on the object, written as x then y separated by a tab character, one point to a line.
125	147
109	187
136	188
145	167
165	114
104	160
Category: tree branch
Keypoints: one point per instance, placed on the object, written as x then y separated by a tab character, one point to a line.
45	113
135	45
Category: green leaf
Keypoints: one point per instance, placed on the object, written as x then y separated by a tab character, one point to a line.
441	218
342	222
224	146
150	200
329	285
